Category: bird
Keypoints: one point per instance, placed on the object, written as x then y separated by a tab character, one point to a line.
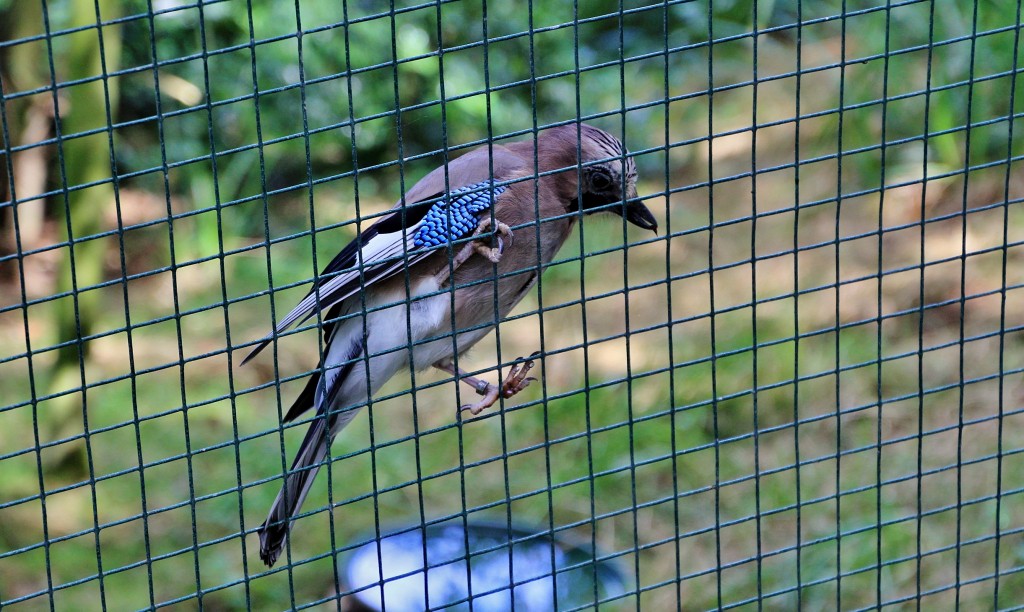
437	273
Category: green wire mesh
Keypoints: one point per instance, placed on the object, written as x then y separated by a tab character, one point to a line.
804	392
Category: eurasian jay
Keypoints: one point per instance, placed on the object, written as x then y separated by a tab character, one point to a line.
498	214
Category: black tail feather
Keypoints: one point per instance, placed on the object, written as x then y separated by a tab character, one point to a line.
274	531
306	399
312	451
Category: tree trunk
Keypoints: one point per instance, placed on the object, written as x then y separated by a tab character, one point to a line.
80	214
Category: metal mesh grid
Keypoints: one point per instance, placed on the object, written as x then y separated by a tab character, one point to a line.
804	392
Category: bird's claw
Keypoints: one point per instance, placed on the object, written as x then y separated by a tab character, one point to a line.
516	381
490	393
517	378
500	231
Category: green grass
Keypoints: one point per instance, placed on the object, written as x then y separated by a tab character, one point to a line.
563	461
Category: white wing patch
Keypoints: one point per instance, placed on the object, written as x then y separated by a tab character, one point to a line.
378	249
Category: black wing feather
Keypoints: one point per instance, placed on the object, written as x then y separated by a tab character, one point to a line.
347	258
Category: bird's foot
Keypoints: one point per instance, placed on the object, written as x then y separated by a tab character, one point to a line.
517	378
501	233
490	393
516	381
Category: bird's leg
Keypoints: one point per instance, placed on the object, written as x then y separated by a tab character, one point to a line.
516	381
500	230
481	386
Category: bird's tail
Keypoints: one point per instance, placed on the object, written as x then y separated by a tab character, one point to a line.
274	531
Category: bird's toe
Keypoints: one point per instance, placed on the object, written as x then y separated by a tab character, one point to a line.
511	390
518	378
493	254
490	397
504	232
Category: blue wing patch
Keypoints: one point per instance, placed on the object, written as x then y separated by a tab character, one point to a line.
460	208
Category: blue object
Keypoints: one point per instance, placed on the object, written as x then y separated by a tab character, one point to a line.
461	208
508	569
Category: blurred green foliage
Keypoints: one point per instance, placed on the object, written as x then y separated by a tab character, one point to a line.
350	74
231	78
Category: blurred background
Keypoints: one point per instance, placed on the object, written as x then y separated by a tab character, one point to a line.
805	391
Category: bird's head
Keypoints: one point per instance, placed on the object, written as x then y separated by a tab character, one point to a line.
608	179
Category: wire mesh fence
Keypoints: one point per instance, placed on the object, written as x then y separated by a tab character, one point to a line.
804	391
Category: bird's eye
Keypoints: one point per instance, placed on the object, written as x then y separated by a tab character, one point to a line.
600	181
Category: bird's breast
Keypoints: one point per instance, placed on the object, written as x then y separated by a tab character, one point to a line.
429	309
399	318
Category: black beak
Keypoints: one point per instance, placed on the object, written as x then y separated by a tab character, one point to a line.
639	215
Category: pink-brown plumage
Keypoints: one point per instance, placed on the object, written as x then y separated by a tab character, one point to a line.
568	171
